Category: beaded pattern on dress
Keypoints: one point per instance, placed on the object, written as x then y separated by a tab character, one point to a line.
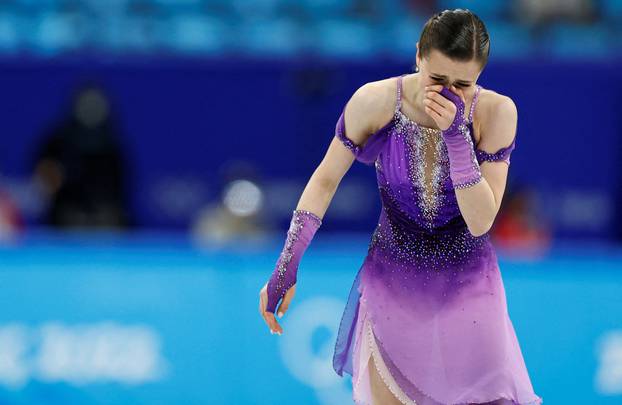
347	142
421	143
433	253
502	154
419	241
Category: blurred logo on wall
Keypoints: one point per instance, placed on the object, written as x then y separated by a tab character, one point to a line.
80	354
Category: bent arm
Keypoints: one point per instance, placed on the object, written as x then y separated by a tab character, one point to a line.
366	110
479	204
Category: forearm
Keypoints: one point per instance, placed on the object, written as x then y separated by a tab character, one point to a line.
306	220
475	197
478	206
317	194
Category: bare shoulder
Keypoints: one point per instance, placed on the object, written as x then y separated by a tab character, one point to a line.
496	117
369	109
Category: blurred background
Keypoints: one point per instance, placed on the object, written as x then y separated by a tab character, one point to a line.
152	152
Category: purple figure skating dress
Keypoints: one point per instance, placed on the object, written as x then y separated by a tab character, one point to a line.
428	303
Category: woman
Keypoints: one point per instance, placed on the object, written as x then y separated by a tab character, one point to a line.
426	320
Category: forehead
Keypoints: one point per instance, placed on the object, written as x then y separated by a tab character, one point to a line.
454	70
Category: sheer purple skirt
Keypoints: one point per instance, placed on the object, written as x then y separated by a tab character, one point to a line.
432	346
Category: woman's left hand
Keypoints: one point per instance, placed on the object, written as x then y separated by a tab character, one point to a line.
440	108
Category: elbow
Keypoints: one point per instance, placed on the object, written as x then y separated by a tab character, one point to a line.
480	229
330	185
326	182
325	178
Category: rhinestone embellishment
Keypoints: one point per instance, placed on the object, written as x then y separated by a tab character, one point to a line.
428	165
293	234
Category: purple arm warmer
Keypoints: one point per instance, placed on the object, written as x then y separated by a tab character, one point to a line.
302	227
464	169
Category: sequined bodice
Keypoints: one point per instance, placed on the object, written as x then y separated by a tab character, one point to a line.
420	217
416	181
418	184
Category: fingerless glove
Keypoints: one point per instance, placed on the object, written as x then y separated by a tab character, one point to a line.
464	169
302	228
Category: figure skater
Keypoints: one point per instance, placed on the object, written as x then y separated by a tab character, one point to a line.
426	320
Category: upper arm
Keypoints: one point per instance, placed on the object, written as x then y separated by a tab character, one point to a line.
498	131
365	112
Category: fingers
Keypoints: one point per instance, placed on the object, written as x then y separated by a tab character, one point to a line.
434	105
262	305
272	323
439	87
268	317
435	87
435	115
459	92
440	99
443	109
263	294
286	300
451	93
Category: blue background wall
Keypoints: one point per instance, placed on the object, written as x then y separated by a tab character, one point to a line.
182	121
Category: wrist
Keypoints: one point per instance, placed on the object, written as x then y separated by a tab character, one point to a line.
460	182
457	128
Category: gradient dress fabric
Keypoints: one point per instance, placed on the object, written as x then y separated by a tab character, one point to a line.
428	303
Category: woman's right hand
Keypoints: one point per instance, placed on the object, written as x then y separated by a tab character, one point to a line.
284	305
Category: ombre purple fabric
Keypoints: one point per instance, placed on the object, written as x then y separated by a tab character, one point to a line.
302	227
432	291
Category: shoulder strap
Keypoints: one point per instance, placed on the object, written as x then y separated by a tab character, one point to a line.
398	103
475	98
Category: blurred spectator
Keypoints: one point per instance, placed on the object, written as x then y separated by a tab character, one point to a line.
519	224
422	7
10	220
240	211
81	166
544	12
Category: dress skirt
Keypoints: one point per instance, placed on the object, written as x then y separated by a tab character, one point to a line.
366	349
432	351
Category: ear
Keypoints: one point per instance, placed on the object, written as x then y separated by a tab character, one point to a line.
417	56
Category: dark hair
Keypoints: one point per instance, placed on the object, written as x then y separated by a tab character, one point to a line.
459	34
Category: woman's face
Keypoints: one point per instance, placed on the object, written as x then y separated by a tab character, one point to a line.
439	69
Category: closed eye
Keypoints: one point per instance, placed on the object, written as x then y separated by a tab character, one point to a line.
457	84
